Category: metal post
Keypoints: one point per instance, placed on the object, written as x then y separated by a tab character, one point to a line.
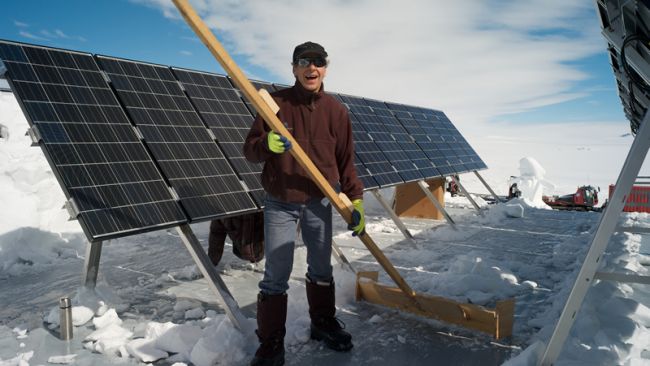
487	186
464	192
91	264
606	227
396	219
622	277
214	280
425	188
340	257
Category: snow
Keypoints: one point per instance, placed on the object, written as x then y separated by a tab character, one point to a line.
151	303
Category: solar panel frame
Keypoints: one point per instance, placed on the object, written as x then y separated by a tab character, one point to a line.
100	163
223	110
179	140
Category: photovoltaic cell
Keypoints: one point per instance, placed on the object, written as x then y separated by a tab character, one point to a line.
100	162
224	112
187	154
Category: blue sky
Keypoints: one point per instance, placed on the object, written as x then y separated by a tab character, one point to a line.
485	63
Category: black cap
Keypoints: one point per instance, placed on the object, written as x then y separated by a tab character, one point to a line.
308	48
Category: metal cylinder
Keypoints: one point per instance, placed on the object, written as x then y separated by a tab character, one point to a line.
65	319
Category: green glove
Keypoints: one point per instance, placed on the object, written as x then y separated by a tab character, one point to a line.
277	143
358	222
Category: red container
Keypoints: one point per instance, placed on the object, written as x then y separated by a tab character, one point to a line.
637	201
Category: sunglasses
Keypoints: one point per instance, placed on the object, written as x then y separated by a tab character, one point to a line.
305	62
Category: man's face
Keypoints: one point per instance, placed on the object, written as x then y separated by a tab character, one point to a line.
311	76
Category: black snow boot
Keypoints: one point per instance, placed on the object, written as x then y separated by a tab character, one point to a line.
324	325
271	317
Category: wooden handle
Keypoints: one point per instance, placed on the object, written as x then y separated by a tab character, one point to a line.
265	109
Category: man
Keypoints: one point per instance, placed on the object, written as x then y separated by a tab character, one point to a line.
321	125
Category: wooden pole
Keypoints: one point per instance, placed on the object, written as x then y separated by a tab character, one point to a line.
242	82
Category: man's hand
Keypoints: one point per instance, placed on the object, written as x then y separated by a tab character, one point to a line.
358	223
277	143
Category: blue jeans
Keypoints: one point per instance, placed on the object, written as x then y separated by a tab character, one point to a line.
280	224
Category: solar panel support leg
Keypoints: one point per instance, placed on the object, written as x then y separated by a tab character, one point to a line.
91	264
496	198
425	188
340	257
464	192
214	280
398	222
599	241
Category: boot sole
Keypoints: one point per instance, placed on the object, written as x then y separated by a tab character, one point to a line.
332	345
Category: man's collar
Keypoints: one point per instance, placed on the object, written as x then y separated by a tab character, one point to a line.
305	95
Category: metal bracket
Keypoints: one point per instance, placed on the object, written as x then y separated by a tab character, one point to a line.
138	132
175	195
180	85
105	76
245	186
211	134
35	135
72	208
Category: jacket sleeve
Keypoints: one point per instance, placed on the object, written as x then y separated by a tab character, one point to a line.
255	147
351	185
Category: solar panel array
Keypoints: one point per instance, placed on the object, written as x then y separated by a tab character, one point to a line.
99	160
139	147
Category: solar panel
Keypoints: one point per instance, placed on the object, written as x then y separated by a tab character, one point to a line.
380	135
224	112
439	139
186	152
460	146
370	157
98	159
402	137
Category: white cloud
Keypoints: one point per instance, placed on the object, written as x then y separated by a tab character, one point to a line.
59	34
185	53
32	36
474	59
20	24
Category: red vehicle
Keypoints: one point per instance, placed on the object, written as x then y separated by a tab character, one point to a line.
585	198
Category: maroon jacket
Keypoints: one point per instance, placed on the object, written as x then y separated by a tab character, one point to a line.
321	125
